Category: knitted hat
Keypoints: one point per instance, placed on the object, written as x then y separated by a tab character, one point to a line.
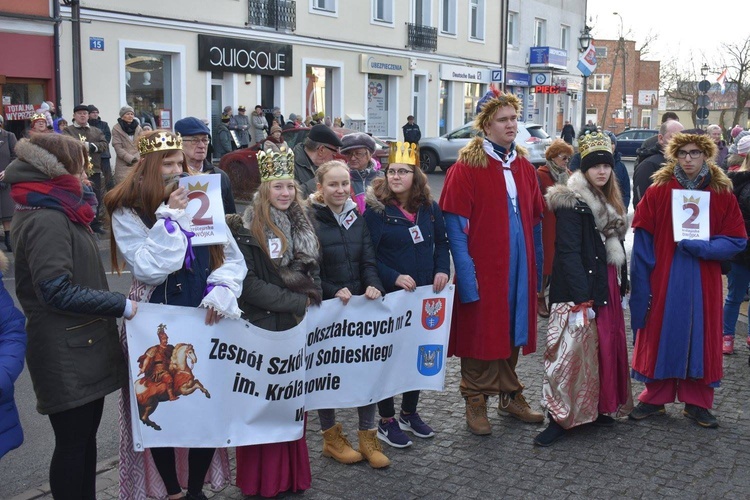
191	126
595	149
743	146
736	130
357	140
93	109
126	109
275	128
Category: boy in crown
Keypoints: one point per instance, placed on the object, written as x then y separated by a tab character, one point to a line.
491	200
676	297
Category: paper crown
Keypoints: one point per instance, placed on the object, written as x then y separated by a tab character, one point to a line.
38	116
597	141
163	141
404	152
275	166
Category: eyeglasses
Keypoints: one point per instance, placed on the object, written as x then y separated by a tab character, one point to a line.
400	172
356	154
195	140
564	157
694	153
329	148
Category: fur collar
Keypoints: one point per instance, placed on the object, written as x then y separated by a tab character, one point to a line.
719	180
39	158
373	203
608	222
473	153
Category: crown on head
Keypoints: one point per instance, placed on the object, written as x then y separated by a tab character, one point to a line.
404	152
163	141
37	116
594	142
274	166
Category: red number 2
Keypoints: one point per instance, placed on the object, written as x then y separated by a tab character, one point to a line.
198	219
689	224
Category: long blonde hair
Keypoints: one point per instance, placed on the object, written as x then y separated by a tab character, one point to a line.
262	216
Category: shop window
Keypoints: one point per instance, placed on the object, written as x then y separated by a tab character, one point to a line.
472	93
148	87
378	95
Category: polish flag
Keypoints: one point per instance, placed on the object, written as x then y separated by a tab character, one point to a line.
587	62
722	78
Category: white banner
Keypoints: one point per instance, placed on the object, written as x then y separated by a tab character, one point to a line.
206	209
690	210
248	386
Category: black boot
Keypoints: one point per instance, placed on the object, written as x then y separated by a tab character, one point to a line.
552	433
7	241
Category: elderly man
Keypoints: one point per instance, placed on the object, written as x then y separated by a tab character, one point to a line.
320	146
240	123
654	158
491	201
676	298
195	142
259	126
722	150
358	149
96	144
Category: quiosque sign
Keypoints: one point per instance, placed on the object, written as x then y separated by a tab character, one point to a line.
243	56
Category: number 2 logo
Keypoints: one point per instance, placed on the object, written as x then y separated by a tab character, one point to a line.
198	218
690	222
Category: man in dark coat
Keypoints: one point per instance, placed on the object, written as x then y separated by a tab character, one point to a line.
654	158
97	122
568	132
411	131
320	146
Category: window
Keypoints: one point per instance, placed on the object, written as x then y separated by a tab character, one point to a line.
599	83
476	19
540	33
512	29
448	17
324	5
148	88
423	12
565	37
382	10
601	52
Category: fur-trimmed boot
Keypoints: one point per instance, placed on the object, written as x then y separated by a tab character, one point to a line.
336	446
370	448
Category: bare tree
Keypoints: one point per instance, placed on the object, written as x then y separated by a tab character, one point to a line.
648	43
681	86
737	61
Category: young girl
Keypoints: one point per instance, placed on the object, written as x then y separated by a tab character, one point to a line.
281	252
348	267
408	232
589	274
149	225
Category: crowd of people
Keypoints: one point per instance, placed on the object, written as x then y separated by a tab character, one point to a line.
524	242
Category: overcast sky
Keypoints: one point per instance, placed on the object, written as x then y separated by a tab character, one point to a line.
692	32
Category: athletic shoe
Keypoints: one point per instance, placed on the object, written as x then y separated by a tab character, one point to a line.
412	423
727	344
389	432
700	415
644	410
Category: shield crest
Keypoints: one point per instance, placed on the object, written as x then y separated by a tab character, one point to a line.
433	313
430	359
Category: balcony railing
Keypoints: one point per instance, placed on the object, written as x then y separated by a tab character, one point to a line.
422	37
280	15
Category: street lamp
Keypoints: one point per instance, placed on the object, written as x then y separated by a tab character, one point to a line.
584	42
704	70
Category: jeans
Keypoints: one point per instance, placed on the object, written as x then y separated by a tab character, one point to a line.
738	280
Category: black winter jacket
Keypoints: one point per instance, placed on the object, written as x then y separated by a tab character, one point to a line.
741	188
644	170
347	255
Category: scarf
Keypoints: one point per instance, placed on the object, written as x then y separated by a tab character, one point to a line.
64	193
701	181
505	156
559	174
128	128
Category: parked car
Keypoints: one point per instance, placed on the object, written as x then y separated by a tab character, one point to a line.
629	141
242	165
443	151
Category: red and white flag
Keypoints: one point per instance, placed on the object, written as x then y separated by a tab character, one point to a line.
722	78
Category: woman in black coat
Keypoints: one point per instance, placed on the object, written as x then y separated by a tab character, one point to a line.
348	268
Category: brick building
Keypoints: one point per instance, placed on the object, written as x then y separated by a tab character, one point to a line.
607	103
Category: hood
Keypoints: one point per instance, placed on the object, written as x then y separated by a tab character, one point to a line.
234	222
473	153
373	202
34	164
719	180
740	179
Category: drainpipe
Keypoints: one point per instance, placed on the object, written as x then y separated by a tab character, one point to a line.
75	17
56	46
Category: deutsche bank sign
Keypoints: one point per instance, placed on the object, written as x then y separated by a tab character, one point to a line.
243	56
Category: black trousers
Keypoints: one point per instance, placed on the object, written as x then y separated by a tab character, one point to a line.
409	403
72	472
199	460
96	185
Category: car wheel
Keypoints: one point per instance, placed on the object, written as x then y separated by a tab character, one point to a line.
428	161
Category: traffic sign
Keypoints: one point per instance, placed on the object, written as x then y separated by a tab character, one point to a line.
702	113
704	85
703	100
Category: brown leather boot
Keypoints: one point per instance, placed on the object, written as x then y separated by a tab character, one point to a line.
370	448
336	446
515	405
541	305
476	415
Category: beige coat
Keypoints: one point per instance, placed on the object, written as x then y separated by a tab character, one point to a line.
126	150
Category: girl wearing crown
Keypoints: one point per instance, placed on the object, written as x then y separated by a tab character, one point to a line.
586	361
348	267
148	221
280	249
408	232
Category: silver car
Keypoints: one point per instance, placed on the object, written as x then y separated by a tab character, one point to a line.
443	151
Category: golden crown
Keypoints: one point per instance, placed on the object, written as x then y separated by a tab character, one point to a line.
163	141
274	166
404	152
594	142
37	116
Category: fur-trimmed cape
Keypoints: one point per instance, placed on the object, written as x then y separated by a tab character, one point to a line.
611	224
473	153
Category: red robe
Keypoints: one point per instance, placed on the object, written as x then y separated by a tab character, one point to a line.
549	222
480	329
654	215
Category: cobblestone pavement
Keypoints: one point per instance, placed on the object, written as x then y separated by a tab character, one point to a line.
667	456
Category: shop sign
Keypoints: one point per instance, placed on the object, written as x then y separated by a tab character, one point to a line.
465	73
244	56
549	89
383	65
548	58
18	111
518	79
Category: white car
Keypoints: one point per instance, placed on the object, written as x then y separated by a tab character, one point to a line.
443	151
